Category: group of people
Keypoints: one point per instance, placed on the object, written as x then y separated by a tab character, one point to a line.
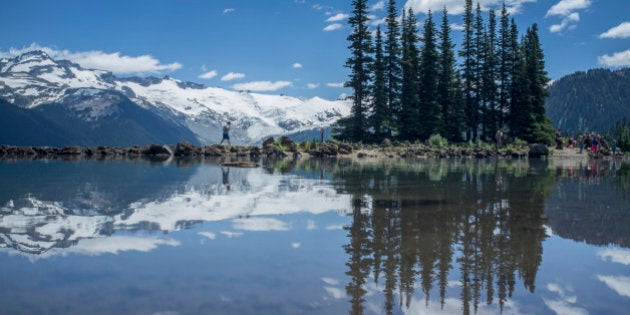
592	142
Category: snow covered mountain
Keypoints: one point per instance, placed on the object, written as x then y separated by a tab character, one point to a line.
34	81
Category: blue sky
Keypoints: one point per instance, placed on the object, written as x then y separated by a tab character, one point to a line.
292	47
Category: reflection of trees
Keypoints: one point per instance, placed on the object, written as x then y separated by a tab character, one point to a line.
492	216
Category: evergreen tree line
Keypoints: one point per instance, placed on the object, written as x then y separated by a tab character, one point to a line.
407	84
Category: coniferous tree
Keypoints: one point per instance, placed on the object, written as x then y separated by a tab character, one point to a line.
409	115
448	95
519	118
379	119
506	61
360	63
429	109
467	53
489	79
392	66
479	43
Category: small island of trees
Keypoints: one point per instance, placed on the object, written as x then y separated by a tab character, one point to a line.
408	86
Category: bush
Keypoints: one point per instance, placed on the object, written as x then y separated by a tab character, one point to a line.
438	141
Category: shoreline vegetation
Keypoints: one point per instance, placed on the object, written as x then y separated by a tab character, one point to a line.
286	148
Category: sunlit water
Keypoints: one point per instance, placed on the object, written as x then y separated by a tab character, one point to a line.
314	237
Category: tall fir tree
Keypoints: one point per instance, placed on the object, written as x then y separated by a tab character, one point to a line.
409	115
489	78
448	94
393	70
467	53
479	43
520	120
379	119
360	64
430	112
506	61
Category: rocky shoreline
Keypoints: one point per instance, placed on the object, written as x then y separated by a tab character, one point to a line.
274	149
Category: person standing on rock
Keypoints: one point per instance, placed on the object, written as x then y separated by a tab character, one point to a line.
226	134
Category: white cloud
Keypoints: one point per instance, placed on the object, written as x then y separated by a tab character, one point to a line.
619	284
568	22
260	224
114	62
297	65
338	17
330	281
621	256
336	293
114	245
295	245
232	76
566	7
564	304
261	85
618	59
230	234
457	27
312	86
335	84
378	6
209	235
228	10
620	31
208	75
334	227
333	27
456	7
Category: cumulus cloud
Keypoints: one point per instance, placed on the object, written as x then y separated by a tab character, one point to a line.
620	31
228	10
332	27
209	235
567	22
232	76
297	65
262	85
335	84
338	17
312	86
566	7
378	6
618	59
208	75
621	256
95	59
456	7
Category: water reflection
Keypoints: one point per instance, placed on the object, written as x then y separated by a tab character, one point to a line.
441	236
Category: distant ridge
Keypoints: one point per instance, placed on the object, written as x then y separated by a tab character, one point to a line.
591	101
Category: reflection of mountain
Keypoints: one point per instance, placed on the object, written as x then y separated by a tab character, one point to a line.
79	215
492	216
605	221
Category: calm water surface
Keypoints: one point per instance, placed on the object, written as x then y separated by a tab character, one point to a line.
314	237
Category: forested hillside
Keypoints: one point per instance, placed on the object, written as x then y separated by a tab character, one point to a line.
589	101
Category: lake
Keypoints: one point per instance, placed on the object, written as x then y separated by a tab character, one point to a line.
315	237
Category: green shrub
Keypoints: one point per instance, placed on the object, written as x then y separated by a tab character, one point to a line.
438	141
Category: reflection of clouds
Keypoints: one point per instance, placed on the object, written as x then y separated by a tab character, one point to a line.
260	224
296	245
209	235
564	303
310	225
230	234
330	281
619	284
617	255
114	245
336	293
454	306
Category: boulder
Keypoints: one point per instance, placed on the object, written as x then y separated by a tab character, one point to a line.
156	149
268	141
187	149
537	150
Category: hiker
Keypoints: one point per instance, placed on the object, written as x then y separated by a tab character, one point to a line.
497	139
226	134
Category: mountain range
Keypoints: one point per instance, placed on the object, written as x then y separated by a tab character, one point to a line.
589	101
57	102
